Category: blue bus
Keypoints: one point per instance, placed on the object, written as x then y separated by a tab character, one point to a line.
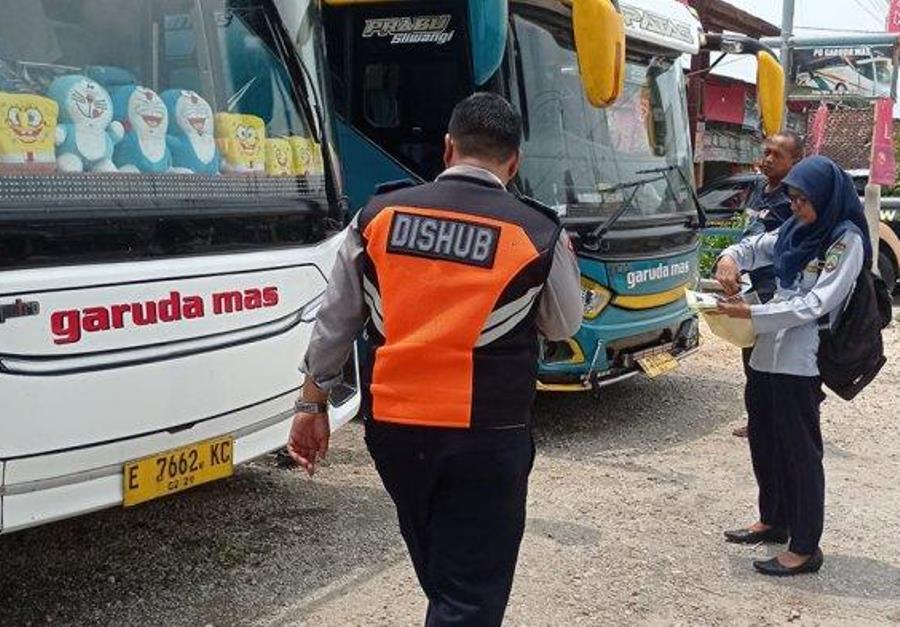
617	166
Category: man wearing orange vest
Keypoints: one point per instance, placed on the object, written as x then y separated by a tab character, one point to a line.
452	281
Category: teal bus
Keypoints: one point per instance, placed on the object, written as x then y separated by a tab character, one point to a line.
602	92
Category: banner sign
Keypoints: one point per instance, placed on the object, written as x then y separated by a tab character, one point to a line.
819	128
883	163
843	71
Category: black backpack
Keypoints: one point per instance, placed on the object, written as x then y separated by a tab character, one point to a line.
852	353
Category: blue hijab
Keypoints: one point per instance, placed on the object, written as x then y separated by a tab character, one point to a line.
838	210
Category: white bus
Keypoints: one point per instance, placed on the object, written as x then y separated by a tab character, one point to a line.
869	77
168	219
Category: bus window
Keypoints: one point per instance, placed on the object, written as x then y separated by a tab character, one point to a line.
575	153
384	61
186	121
381	100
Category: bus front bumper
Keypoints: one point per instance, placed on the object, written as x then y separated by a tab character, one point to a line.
44	488
624	365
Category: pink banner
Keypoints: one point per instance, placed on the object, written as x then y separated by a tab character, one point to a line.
883	169
893	21
819	127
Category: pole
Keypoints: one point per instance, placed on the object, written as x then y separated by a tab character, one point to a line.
787	31
873	218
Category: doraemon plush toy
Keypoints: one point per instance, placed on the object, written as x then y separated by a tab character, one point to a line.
190	136
145	118
87	134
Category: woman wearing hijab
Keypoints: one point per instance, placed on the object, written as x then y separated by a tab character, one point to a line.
817	254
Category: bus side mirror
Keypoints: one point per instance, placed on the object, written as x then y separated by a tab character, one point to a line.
600	43
770	92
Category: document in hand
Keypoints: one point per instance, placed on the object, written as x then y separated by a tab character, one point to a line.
737	331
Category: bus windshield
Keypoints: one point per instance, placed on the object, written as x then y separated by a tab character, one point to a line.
168	106
585	161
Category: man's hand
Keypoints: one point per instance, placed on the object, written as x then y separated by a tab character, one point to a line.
728	275
309	440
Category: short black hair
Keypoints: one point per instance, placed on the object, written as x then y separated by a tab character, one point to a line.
796	140
485	125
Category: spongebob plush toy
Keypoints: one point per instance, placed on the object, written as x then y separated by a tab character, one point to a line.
145	118
242	143
307	156
86	133
190	134
279	159
27	133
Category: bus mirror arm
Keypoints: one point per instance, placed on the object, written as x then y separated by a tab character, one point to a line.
734	44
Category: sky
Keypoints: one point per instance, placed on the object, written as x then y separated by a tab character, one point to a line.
810	15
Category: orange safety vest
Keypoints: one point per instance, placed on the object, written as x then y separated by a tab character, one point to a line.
452	274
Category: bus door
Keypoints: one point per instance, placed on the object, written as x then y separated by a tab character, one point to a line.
397	72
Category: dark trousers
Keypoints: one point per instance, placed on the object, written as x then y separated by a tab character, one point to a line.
786	450
745	355
460	498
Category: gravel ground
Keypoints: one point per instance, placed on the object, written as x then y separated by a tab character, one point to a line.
629	495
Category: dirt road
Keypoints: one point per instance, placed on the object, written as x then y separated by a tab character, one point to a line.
629	495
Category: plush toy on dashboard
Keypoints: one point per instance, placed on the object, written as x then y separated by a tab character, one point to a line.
279	160
190	134
145	117
86	134
242	143
27	133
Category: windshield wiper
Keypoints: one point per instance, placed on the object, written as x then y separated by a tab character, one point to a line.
597	234
701	213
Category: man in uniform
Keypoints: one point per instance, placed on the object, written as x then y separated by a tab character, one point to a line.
452	282
769	206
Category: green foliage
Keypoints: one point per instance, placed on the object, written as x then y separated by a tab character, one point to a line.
712	245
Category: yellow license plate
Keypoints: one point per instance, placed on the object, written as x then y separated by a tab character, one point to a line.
660	363
179	469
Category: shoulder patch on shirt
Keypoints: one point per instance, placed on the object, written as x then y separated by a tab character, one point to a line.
445	239
833	256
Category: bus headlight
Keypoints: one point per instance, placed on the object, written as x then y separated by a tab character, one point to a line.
595	298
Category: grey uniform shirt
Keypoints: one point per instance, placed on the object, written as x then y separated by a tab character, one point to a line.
344	312
787	327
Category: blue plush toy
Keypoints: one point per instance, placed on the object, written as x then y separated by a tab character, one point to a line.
87	134
145	118
190	136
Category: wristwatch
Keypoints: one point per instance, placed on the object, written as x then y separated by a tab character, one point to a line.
307	407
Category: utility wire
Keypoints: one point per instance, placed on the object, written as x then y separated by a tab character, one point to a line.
868	9
875	5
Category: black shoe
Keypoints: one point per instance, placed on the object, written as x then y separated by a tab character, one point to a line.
745	536
774	568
